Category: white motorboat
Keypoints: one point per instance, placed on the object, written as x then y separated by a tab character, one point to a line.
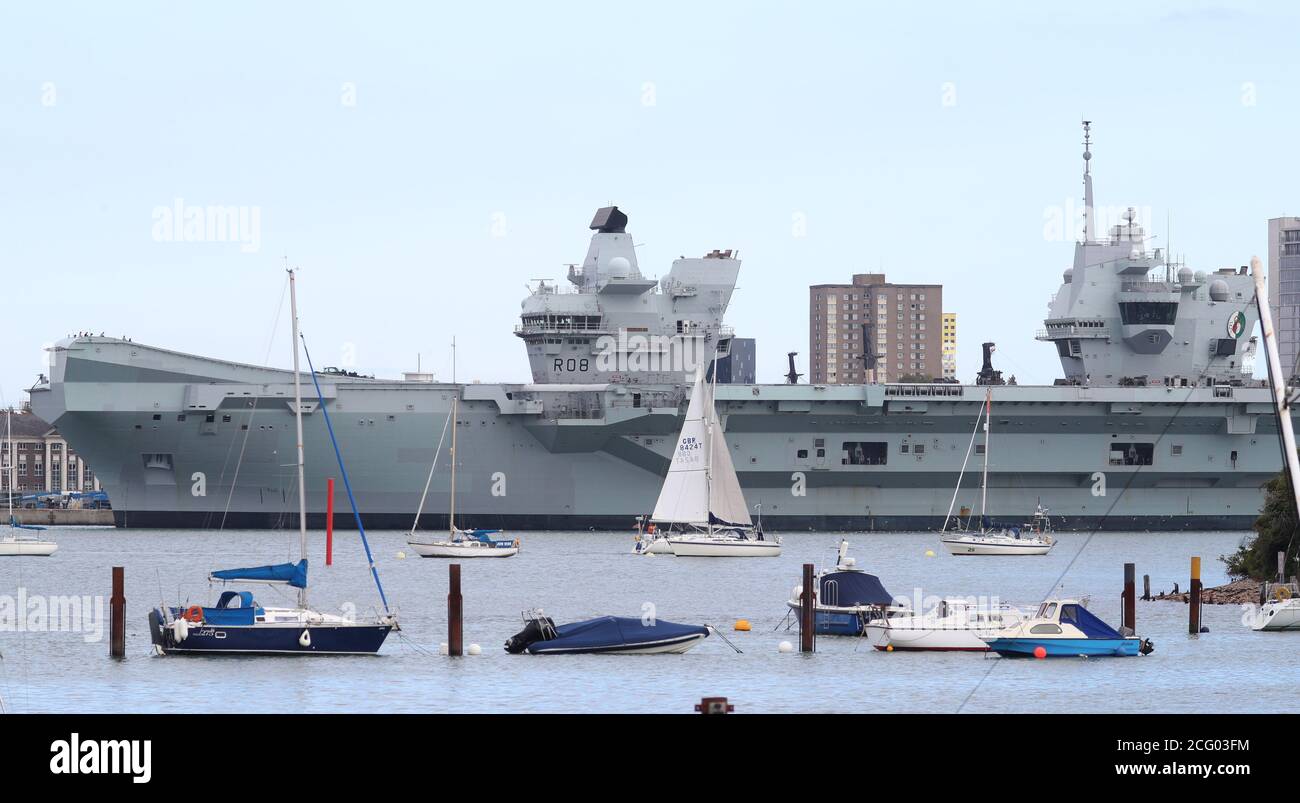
16	539
458	543
649	541
990	538
701	510
953	624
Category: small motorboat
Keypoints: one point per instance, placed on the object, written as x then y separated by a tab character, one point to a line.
1064	628
1281	609
465	544
847	598
613	635
649	541
953	624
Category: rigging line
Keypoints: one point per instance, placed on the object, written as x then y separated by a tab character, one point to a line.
1088	540
962	473
347	484
432	468
266	360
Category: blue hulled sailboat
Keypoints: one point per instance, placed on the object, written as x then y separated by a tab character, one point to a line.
237	624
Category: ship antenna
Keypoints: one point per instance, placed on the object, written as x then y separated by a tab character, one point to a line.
1088	233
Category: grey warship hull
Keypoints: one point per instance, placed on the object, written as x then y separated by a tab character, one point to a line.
181	441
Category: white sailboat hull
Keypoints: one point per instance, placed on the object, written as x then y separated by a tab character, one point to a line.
1278	615
723	548
919	638
451	549
18	547
995	545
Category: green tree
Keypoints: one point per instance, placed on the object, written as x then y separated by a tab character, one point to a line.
1275	531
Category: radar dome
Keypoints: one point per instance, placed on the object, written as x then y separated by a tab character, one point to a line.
1068	276
1218	290
619	267
1184	275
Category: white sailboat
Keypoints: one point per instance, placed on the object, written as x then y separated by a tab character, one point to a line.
701	509
458	543
15	541
989	539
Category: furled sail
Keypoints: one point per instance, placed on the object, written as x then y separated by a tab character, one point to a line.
726	501
294	574
684	497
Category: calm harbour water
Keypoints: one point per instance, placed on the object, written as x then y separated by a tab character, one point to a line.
579	575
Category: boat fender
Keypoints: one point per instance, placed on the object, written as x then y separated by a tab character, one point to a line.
305	638
194	613
181	629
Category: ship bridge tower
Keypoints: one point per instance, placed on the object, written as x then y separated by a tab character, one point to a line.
615	325
1125	316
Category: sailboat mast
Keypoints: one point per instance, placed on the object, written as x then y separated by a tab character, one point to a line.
297	417
984	481
710	416
1277	381
455	425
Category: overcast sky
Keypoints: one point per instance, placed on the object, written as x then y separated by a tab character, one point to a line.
420	164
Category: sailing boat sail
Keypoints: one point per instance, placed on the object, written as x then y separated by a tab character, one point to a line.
237	623
990	539
701	496
14	543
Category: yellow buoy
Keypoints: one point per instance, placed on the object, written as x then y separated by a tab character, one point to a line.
929	553
742	625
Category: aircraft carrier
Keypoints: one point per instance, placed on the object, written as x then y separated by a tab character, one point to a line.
1154	425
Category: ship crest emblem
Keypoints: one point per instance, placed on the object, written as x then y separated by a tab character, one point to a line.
1236	324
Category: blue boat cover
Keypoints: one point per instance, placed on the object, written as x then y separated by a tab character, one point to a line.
612	632
853	588
1084	619
295	574
485	536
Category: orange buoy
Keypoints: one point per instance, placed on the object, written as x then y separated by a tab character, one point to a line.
742	625
194	613
1040	652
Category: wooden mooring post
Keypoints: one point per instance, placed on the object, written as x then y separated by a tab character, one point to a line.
1146	587
807	611
117	616
1129	617
1194	599
455	612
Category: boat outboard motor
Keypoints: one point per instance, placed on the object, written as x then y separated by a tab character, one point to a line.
539	629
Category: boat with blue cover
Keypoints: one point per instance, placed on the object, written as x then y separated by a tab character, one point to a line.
847	598
1065	628
237	624
612	635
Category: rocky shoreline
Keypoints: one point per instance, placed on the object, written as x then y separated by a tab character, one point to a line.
1238	592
